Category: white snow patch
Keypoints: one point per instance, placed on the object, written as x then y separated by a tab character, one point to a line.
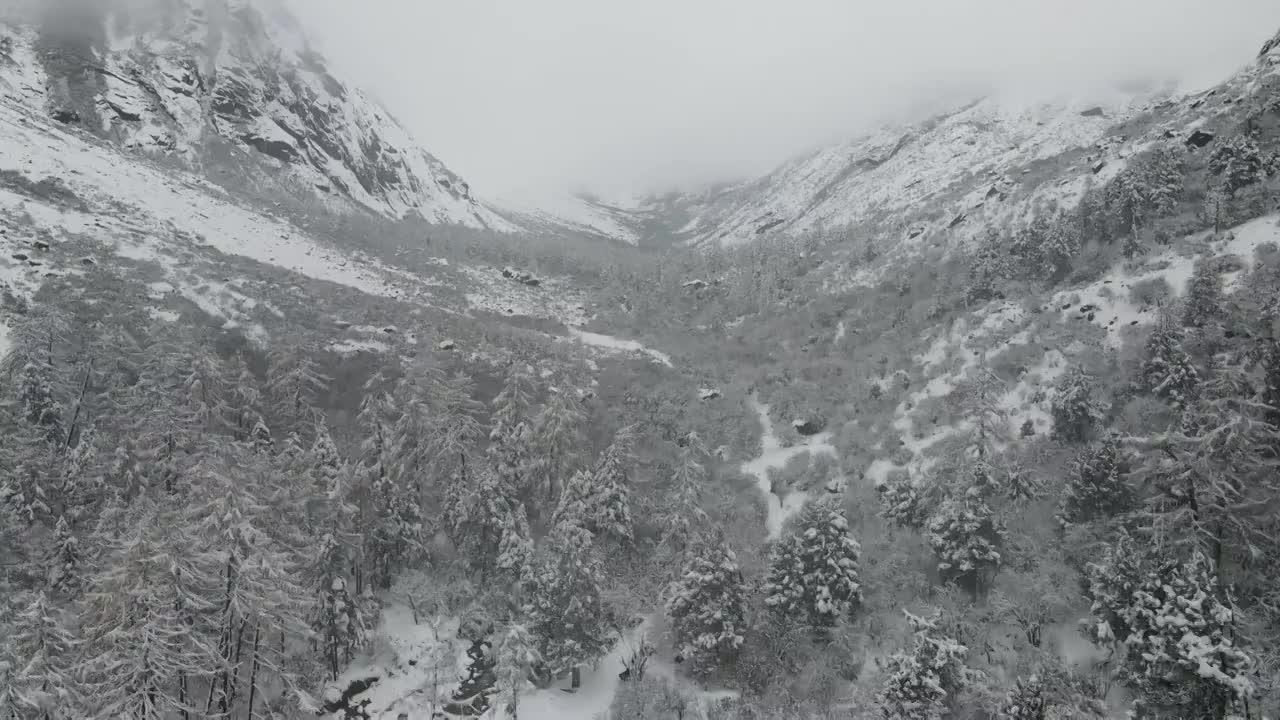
773	456
401	687
352	347
615	344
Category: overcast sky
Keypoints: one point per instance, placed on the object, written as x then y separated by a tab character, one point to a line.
521	96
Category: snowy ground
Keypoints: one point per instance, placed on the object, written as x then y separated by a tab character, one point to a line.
773	456
1109	300
183	223
400	660
612	344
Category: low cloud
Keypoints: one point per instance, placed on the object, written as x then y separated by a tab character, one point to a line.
616	97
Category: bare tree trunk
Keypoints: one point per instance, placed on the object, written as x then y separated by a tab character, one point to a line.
75	417
253	673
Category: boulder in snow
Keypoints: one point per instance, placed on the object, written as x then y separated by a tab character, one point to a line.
1199	139
808	426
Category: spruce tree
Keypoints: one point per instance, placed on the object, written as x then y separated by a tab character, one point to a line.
1203	305
294	386
1211	478
510	438
559	440
813	570
564	607
1026	701
924	684
682	517
1074	409
44	649
966	534
1168	372
338	623
1177	628
905	501
707	605
1097	485
516	661
1238	162
64	560
143	644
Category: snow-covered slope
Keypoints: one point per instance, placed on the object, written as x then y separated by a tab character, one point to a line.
576	214
992	161
232	88
951	164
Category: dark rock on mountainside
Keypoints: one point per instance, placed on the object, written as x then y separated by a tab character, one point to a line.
231	87
1199	139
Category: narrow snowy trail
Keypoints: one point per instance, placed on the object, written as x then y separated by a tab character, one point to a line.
773	456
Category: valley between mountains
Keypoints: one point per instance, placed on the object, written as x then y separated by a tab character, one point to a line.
971	417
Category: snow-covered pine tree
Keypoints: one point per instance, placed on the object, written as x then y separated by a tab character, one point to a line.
988	270
45	650
1160	175
510	437
205	388
965	535
1203	305
924	684
64	560
38	400
259	594
491	525
813	570
707	605
1025	701
455	432
1213	482
517	660
1178	630
558	439
243	400
1238	161
904	500
610	503
294	386
337	622
1168	372
390	517
565	610
1074	409
373	493
515	544
144	647
1097	486
682	518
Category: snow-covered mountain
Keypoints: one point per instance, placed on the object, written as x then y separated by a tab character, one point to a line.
991	161
231	88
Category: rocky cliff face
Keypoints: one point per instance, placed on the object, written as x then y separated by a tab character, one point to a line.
230	87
